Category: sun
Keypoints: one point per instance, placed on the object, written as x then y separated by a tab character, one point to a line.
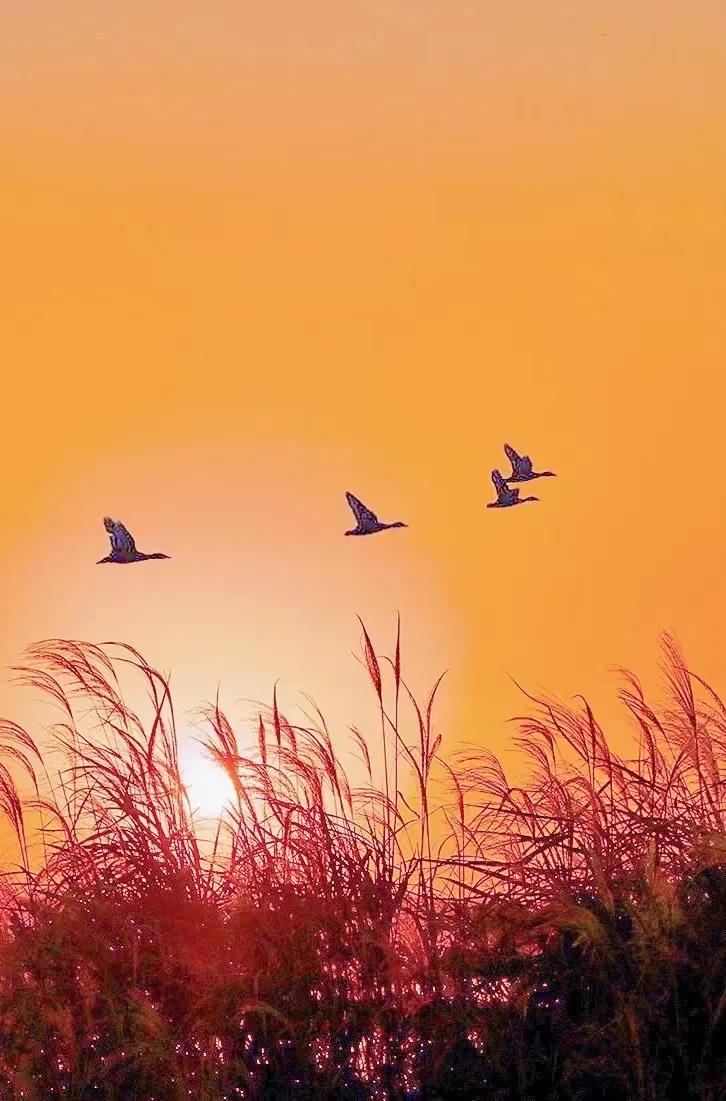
208	787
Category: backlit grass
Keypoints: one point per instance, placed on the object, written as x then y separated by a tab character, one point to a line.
431	931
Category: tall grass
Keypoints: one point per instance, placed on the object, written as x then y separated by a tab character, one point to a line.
431	931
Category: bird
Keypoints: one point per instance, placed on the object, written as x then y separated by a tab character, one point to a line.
367	521
505	495
522	467
123	547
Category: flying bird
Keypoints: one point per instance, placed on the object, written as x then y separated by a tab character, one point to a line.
505	495
522	467
123	547
367	521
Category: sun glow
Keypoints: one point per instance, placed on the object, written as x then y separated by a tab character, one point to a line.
209	788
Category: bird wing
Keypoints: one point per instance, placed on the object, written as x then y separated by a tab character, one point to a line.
512	455
499	484
122	539
362	514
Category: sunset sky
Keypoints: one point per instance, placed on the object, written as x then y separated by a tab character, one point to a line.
258	254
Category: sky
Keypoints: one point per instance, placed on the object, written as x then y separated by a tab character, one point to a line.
255	255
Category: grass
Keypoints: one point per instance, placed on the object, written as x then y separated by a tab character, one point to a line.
433	932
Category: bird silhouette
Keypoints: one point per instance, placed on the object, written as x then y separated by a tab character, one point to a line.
506	496
123	547
522	467
367	521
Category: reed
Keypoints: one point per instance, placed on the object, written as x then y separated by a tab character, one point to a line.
433	932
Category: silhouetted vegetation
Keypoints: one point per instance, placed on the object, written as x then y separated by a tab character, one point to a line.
433	932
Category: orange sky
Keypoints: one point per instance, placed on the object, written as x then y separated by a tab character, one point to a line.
257	254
